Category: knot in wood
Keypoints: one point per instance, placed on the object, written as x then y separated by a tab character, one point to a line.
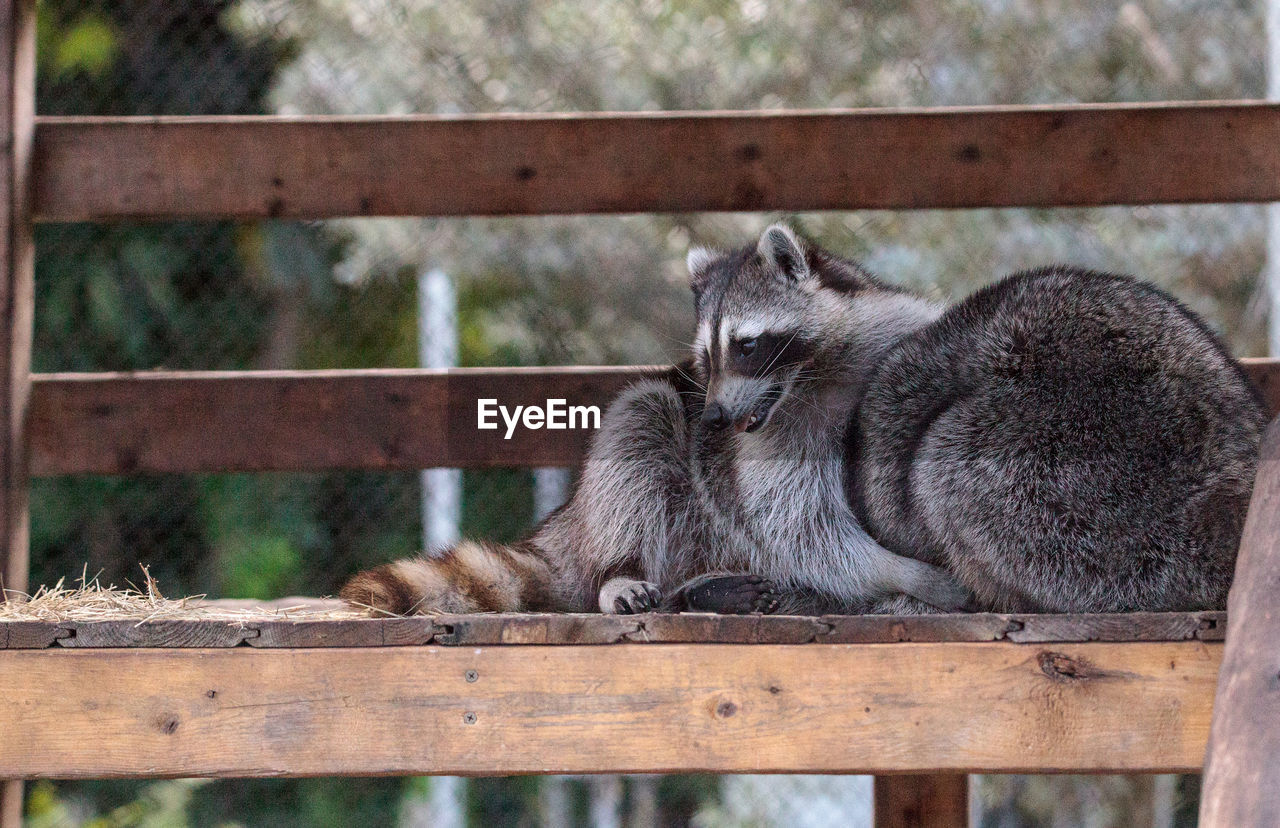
1062	667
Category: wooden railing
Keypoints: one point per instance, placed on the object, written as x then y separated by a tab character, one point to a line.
1000	705
92	169
165	421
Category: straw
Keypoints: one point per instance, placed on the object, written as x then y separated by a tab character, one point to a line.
90	600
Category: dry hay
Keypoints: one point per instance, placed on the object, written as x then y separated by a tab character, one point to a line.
89	600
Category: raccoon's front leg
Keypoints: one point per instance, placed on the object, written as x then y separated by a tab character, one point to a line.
627	596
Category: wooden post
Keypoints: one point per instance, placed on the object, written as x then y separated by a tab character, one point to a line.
1242	764
1242	767
938	800
17	256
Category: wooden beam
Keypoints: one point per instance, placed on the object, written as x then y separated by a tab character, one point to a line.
939	800
303	420
722	708
1242	767
17	302
17	307
243	622
91	169
316	420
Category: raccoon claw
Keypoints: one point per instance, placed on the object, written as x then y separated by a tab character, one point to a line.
731	595
631	597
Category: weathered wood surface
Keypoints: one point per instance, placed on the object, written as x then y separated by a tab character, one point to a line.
594	629
17	310
255	167
977	707
317	420
1242	767
939	800
17	302
303	420
370	632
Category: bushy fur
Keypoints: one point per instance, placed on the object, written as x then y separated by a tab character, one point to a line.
1062	441
668	495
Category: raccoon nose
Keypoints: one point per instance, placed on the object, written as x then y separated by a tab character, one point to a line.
715	416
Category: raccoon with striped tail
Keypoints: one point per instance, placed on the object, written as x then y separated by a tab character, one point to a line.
717	485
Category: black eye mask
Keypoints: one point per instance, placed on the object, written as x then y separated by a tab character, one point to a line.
761	355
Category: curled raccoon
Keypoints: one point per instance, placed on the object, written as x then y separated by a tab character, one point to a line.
1061	441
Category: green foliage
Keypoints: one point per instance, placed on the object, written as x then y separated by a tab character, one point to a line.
294	803
89	45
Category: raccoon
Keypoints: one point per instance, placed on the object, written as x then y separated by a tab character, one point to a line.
718	485
1061	441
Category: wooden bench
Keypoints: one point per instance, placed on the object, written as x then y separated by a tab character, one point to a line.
536	694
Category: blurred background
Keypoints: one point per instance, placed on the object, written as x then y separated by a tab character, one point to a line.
602	290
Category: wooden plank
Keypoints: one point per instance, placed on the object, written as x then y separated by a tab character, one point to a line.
17	112
729	629
885	629
535	628
1134	626
366	632
30	635
303	420
133	633
1265	374
315	420
594	629
922	801
627	708
17	310
11	803
1242	766
91	169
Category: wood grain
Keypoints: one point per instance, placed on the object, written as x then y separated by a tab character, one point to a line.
368	632
17	310
1242	767
91	169
17	302
316	420
626	708
303	420
922	801
109	634
568	629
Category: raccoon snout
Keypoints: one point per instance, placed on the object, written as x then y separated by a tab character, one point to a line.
716	416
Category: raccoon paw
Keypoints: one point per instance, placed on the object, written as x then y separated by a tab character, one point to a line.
627	597
730	595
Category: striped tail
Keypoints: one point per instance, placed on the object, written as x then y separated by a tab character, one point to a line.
473	576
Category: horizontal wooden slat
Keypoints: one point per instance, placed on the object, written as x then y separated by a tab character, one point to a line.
570	629
316	420
679	707
302	420
256	167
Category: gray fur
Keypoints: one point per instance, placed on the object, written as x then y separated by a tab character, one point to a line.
1062	441
665	497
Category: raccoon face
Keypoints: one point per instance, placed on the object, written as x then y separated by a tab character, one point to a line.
765	314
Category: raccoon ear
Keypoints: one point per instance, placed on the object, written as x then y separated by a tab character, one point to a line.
699	262
782	250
